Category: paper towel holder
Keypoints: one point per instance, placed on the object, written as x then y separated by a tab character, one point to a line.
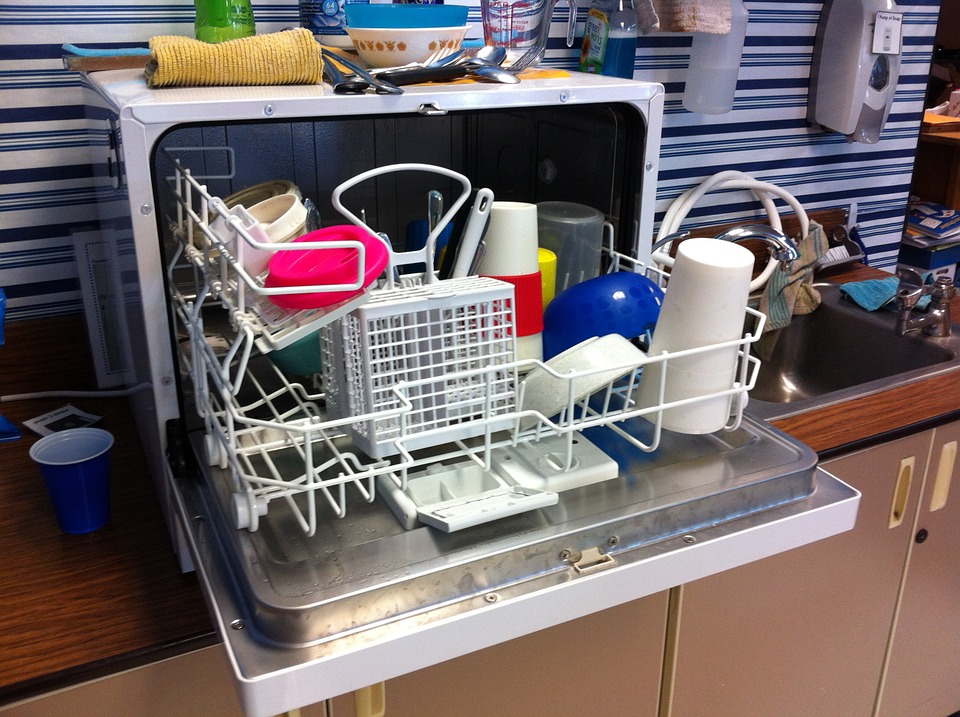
856	66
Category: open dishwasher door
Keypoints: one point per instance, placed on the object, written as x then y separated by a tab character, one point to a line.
364	600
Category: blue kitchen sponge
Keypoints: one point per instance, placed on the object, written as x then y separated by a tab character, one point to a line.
873	294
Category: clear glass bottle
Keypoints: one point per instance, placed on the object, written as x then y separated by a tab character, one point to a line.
609	44
219	20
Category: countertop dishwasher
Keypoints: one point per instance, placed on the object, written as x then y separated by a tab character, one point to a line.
306	520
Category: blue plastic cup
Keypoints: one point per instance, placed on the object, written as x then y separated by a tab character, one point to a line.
75	465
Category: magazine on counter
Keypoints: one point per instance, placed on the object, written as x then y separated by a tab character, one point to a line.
933	220
59	420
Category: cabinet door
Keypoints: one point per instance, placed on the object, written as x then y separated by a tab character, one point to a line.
804	632
607	663
923	676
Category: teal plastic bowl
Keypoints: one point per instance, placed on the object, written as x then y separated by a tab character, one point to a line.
404	15
301	358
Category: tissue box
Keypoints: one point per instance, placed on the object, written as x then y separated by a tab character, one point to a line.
953	104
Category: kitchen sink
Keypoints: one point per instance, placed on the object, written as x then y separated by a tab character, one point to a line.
840	352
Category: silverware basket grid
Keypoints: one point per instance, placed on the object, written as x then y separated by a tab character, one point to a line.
445	373
439	340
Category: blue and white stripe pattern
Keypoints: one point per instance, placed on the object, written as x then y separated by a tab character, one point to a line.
47	194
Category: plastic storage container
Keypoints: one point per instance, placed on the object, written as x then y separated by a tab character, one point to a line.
574	232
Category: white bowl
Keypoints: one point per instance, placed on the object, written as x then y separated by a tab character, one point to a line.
248	196
282	217
594	362
393	47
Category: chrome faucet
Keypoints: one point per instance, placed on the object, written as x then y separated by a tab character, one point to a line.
936	320
784	250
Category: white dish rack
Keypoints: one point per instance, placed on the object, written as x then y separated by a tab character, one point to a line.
330	438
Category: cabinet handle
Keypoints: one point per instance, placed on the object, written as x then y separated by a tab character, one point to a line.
941	485
901	492
371	701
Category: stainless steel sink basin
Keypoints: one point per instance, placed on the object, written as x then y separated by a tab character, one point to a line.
841	352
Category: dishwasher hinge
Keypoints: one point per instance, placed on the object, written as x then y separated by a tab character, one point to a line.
589	561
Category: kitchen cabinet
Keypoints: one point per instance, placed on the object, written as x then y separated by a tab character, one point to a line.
191	684
605	663
923	672
809	632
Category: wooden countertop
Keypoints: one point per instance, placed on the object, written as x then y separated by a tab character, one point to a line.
77	607
950	138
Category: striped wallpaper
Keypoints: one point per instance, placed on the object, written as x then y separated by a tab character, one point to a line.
46	189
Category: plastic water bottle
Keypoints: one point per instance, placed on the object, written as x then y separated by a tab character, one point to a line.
327	21
219	20
610	39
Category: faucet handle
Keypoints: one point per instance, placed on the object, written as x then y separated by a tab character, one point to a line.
910	288
943	289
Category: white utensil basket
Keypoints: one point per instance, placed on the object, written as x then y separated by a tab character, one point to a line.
447	349
423	365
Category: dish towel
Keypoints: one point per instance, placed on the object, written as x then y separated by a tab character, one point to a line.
290	57
791	292
710	16
874	294
647	19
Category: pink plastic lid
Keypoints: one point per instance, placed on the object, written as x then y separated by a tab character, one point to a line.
313	267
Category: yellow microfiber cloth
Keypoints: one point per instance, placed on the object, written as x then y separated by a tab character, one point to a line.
290	57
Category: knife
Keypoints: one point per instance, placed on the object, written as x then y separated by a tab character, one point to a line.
414	75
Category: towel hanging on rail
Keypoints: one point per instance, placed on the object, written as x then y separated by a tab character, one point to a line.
709	16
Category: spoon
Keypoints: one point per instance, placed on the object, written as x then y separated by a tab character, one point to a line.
486	63
381	86
341	85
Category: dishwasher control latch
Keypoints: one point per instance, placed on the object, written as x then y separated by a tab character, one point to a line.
590	561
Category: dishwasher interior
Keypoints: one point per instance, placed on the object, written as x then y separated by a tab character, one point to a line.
368	517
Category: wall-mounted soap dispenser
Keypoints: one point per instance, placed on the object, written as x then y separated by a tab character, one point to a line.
856	65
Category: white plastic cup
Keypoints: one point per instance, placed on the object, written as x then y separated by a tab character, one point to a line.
705	304
513	255
511	240
75	465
